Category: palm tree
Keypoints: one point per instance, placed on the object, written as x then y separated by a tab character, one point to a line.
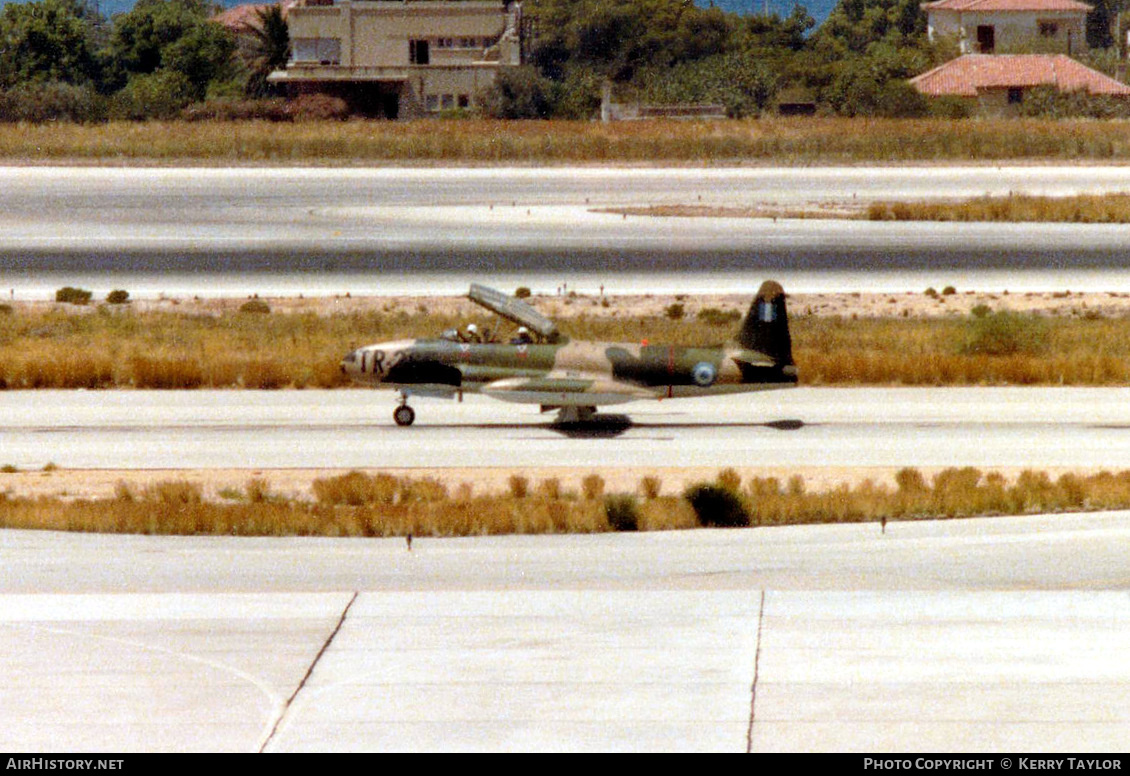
270	48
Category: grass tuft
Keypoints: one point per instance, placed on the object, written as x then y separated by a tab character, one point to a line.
622	512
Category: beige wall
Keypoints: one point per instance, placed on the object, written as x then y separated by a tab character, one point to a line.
371	42
994	102
376	33
1012	31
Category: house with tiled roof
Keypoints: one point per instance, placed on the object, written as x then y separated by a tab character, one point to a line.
242	19
991	26
997	85
402	58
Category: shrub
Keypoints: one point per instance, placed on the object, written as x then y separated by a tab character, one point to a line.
317	107
592	486
69	295
227	109
37	103
729	479
522	292
651	487
173	492
675	311
159	95
951	107
910	481
622	512
6	309
949	291
518	93
117	296
932	292
898	99
519	486
255	307
1004	334
258	490
712	316
550	489
715	506
356	489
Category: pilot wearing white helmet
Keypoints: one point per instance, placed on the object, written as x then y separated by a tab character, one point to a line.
473	333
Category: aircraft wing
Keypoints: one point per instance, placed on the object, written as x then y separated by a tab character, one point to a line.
561	390
512	309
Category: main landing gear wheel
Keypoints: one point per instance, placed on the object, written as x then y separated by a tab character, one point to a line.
404	415
574	415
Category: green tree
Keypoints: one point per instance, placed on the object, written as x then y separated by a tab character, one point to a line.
48	40
270	48
518	93
1099	23
171	35
614	38
741	82
854	25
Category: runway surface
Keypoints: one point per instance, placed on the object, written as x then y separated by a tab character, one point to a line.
954	636
366	229
972	635
1038	427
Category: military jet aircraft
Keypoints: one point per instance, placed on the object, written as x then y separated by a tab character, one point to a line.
539	365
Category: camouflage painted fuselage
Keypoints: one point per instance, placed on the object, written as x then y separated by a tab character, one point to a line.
565	373
558	373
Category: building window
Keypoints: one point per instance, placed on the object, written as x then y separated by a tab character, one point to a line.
464	101
447	102
418	52
444	43
431	103
326	51
986	39
1048	29
468	43
1015	95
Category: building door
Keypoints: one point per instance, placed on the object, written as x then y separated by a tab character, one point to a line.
986	38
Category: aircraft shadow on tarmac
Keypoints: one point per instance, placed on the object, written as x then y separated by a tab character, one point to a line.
610	426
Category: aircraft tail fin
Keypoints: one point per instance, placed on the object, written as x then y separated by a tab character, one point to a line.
766	325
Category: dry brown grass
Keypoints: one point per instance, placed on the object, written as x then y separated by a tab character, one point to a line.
1082	209
769	140
357	504
891	351
766	140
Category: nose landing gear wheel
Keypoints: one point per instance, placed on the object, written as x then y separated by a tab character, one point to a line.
404	415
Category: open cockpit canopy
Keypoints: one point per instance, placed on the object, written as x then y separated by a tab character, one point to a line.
514	310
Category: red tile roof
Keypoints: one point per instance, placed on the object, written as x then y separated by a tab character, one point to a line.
243	18
1007	5
967	75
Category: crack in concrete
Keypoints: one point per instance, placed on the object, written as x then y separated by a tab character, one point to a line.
306	676
756	669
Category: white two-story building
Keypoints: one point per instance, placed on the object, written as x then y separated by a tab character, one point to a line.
1008	26
401	58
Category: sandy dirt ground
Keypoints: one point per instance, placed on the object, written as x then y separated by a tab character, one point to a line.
936	302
